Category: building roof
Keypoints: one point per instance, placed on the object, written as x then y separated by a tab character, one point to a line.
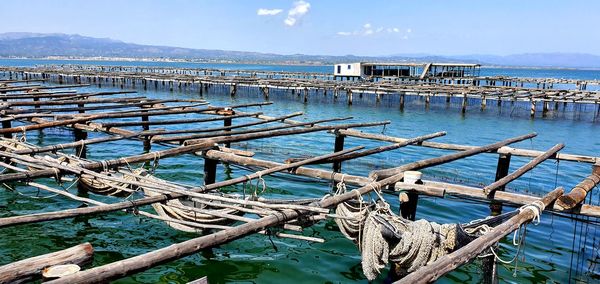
416	64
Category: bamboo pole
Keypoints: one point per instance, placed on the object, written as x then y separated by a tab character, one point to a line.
447	263
491	188
447	158
29	269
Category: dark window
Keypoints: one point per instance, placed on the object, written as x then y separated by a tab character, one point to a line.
349	66
339	69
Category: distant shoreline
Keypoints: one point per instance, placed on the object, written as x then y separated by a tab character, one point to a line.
283	63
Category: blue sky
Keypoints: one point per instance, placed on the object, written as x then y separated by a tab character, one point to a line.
323	27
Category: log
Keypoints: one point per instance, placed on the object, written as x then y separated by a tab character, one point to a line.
176	121
491	188
16	220
199	145
237	132
80	109
580	191
457	147
441	189
60	95
380	149
27	270
142	262
375	175
447	263
225	128
87	118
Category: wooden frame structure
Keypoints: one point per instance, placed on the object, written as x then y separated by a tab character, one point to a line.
472	92
28	107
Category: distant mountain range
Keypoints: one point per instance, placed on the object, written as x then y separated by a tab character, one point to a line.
36	45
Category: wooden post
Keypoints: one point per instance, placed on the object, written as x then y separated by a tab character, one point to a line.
532	114
464	103
483	103
545	109
210	171
226	123
146	127
402	101
339	146
501	172
349	92
81	151
7	124
305	95
232	90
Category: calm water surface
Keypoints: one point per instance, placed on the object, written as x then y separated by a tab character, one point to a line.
552	254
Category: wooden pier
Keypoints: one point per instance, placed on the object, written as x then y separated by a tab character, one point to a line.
219	217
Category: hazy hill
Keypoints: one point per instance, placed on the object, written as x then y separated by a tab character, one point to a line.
44	45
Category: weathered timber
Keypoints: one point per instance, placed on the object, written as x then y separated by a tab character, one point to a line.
141	262
17	220
578	194
27	270
227	132
447	263
490	189
380	149
176	121
447	158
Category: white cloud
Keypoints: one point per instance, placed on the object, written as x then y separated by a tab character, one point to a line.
298	10
268	12
367	30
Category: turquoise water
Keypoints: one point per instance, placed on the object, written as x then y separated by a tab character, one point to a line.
551	252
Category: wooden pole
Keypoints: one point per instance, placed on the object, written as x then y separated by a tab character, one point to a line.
447	158
40	217
142	262
30	269
449	262
338	146
490	189
580	191
501	172
210	171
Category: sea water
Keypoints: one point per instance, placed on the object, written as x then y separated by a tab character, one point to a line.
560	249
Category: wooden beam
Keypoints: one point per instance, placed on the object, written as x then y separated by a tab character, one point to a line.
580	191
447	158
30	269
490	189
449	262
